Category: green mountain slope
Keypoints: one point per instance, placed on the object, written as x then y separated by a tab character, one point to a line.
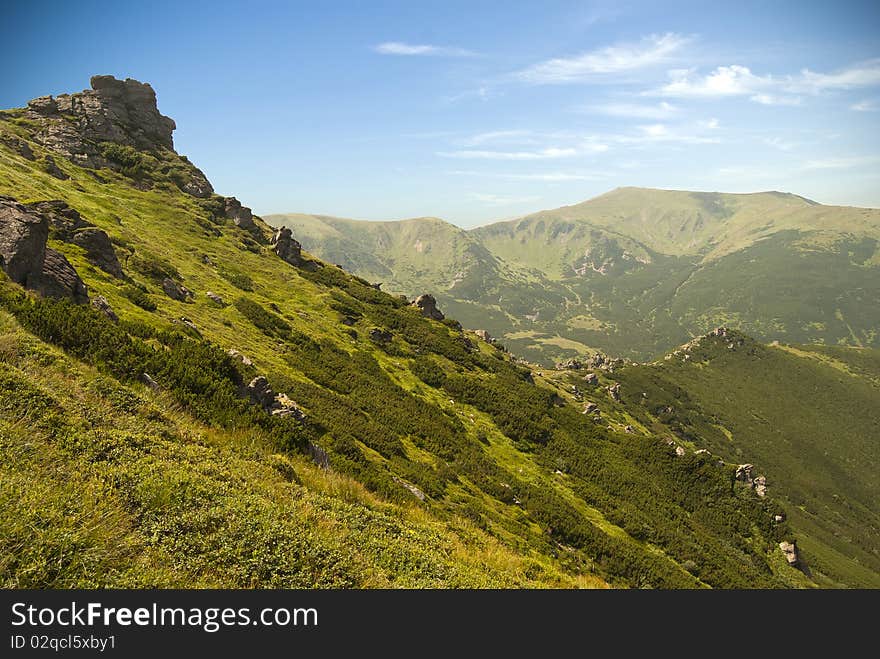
807	417
636	272
392	450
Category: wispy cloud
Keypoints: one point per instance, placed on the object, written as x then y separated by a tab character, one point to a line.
736	80
545	177
778	143
619	58
661	110
400	48
863	74
504	136
539	154
845	162
501	200
699	133
868	105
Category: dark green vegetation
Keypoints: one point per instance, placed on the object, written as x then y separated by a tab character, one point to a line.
633	272
808	416
451	464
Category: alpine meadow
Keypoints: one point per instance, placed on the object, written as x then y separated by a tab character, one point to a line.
650	384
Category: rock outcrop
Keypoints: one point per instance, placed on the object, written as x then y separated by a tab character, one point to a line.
614	391
26	260
176	291
380	335
745	473
122	112
211	295
428	306
289	249
65	223
100	303
282	405
591	379
572	364
790	551
483	334
240	215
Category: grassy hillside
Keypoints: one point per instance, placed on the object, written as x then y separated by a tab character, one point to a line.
807	417
636	272
450	464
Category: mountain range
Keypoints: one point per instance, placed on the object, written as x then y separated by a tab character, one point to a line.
634	272
191	398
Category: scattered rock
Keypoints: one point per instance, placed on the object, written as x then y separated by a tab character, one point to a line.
416	492
21	147
629	429
235	354
149	381
59	279
100	303
428	306
23	236
260	392
215	298
790	551
591	379
186	321
745	474
65	223
590	408
53	169
240	215
286	406
176	291
702	451
380	335
778	518
680	451
570	365
614	391
760	486
99	250
319	456
578	396
483	334
348	321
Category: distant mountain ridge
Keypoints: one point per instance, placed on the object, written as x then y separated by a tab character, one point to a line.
634	271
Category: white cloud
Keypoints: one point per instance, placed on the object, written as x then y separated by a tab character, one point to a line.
736	80
546	177
771	99
539	154
650	51
732	80
863	74
501	200
869	105
400	48
662	110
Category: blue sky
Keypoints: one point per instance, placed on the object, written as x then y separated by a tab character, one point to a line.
476	111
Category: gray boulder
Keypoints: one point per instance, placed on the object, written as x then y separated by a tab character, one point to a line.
428	306
790	551
100	303
26	260
175	290
240	215
99	250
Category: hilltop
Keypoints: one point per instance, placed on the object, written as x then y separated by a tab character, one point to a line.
638	271
191	398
